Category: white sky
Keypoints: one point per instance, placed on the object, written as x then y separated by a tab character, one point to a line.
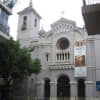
50	11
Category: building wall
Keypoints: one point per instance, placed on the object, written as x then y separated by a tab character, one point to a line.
5	11
45	43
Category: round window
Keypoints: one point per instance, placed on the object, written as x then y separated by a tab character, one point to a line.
63	43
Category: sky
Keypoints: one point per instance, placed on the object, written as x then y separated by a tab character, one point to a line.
50	11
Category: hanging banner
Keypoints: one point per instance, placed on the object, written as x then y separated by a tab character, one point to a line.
80	58
80	72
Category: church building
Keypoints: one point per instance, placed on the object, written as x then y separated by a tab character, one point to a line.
62	52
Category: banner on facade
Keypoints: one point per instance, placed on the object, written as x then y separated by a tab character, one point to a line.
80	58
80	72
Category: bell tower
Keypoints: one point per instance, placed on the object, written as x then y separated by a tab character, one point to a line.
28	25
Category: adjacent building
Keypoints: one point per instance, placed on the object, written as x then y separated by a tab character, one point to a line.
91	15
5	11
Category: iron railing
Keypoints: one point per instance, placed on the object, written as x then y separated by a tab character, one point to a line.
91	2
4	28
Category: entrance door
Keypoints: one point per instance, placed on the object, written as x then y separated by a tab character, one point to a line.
81	89
63	88
47	89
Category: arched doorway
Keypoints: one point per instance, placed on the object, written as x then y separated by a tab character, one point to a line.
47	89
63	88
81	89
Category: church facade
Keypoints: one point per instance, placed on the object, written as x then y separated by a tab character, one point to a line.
65	72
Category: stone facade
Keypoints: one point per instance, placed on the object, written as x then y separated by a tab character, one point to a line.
55	49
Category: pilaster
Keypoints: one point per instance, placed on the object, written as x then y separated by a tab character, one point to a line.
53	91
90	87
73	90
40	89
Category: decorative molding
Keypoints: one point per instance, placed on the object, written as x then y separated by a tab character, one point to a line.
89	82
91	66
73	82
53	82
39	82
61	67
94	37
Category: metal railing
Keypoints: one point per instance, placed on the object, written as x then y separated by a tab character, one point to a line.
4	28
91	2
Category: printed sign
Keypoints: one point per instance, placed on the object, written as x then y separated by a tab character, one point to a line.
80	58
80	72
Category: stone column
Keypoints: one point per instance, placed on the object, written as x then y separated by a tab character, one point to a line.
53	90
73	90
40	89
90	88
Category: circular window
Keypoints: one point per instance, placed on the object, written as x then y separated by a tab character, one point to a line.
63	43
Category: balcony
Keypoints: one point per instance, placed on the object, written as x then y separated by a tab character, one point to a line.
91	16
4	29
60	66
91	2
5	8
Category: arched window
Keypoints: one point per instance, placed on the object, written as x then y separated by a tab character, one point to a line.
35	22
47	57
81	89
57	56
24	25
63	88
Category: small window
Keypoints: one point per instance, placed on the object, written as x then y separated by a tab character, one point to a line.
57	56
65	56
35	22
25	18
62	56
47	57
68	55
24	25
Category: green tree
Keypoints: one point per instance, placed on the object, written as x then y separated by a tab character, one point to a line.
15	63
36	63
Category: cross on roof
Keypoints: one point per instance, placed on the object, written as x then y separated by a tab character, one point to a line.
31	3
62	13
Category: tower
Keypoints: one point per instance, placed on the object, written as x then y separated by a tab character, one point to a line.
28	25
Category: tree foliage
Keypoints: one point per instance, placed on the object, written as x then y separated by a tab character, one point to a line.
37	66
16	62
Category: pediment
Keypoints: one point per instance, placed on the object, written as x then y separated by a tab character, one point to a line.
63	25
63	20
